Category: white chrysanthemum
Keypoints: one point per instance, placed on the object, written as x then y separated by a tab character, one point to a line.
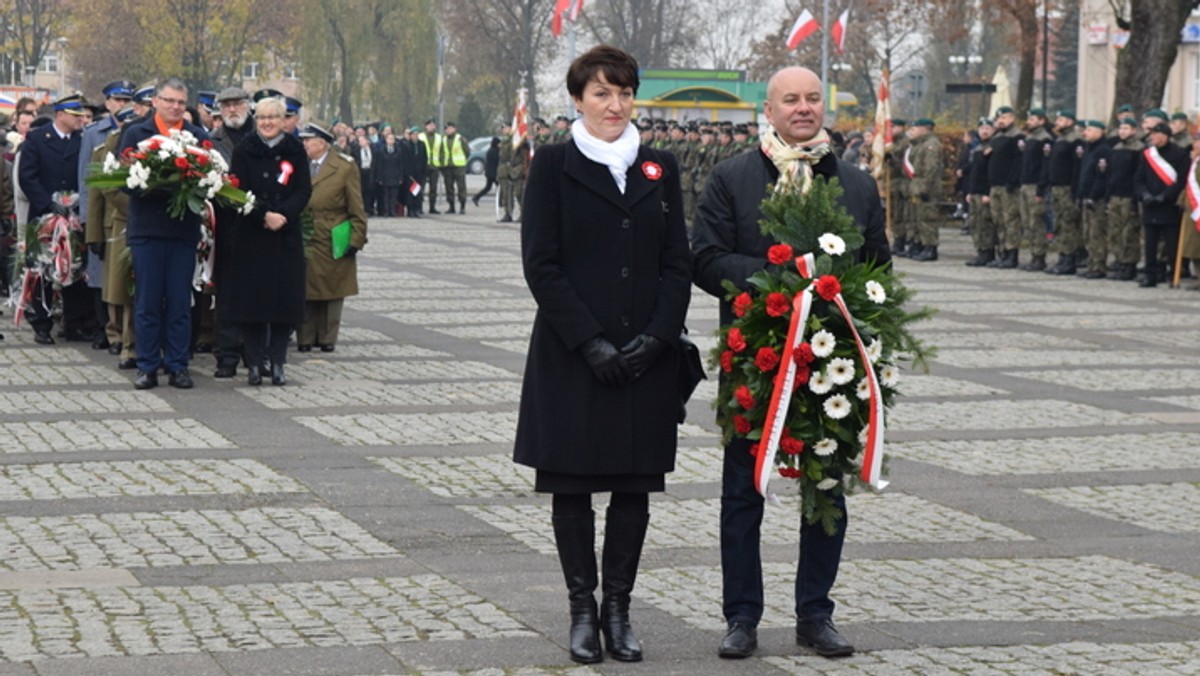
840	370
862	439
825	447
820	383
249	205
889	375
875	350
832	244
875	292
837	406
164	154
822	343
826	484
111	163
863	391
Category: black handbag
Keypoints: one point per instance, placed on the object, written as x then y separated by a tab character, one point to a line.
691	371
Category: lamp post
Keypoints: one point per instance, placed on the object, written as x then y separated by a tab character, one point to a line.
966	60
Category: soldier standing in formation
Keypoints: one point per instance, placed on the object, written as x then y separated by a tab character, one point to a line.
1036	147
898	193
923	166
1063	176
983	230
1093	185
1123	226
1004	178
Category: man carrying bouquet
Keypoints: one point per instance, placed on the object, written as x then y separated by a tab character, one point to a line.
164	252
727	243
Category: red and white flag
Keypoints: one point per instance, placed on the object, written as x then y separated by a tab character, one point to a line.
883	127
838	32
1193	193
560	8
805	26
520	123
576	8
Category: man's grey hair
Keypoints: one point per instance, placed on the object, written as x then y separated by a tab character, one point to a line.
171	83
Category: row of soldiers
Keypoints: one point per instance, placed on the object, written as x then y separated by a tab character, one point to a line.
698	147
1111	193
914	181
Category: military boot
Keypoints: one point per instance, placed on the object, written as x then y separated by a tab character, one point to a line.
1064	266
983	257
1036	264
898	246
928	253
1009	260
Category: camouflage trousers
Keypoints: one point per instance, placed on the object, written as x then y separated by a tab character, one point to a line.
901	216
1006	214
983	228
926	222
432	174
1033	220
1066	219
1124	231
1095	224
510	194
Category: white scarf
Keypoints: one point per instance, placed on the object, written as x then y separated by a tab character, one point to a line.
795	163
618	155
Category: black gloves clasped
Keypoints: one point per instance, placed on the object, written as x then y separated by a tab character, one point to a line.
642	351
609	366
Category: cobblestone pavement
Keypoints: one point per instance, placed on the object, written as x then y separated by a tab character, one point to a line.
366	519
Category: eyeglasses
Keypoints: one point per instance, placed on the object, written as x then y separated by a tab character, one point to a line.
268	117
172	102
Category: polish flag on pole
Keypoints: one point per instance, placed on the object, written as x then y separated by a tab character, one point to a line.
838	32
883	127
805	26
576	8
560	7
520	122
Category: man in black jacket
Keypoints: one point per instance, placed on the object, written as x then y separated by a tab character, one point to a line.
1035	158
1093	183
1065	155
728	244
1124	229
1157	183
1004	179
983	229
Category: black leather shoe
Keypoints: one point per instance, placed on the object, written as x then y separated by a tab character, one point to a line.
277	377
253	377
450	210
204	348
145	380
823	638
327	348
506	219
76	336
181	379
127	364
740	641
115	349
475	200
100	342
43	338
304	348
225	370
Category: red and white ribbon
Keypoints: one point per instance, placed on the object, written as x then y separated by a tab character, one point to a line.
60	228
909	170
872	466
1166	173
781	395
1193	193
285	172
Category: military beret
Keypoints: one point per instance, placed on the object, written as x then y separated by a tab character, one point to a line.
73	104
741	129
1067	113
562	118
898	122
125	114
752	123
293	105
119	89
1180	116
415	130
232	94
706	130
1131	121
1003	110
314	130
987	122
1155	112
1038	112
266	94
1124	108
1094	124
1161	128
145	93
923	122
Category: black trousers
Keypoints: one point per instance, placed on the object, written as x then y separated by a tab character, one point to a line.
1168	235
78	312
263	339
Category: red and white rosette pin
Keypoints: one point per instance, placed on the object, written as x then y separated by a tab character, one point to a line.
652	170
285	172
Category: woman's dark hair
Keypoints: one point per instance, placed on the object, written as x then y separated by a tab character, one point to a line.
617	66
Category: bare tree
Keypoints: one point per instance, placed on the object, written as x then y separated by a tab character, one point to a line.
30	27
655	32
724	44
1145	62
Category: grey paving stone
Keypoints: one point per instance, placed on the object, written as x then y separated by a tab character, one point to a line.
1172	509
56	481
108	435
81	401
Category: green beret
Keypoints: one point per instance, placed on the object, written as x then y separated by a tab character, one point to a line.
1155	112
923	122
1067	113
897	122
1002	110
1124	108
1129	121
1180	116
1037	111
1095	124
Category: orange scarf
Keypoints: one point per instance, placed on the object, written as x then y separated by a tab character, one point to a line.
163	127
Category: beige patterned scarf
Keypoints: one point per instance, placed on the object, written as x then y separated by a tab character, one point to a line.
795	163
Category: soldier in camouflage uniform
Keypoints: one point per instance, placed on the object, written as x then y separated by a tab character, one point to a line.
925	187
1004	179
1181	134
898	196
1124	226
1064	176
1035	156
513	172
704	159
1093	184
983	230
562	130
504	183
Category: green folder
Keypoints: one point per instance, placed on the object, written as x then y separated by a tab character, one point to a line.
340	236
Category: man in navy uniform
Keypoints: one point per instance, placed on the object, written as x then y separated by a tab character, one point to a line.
49	164
164	253
291	118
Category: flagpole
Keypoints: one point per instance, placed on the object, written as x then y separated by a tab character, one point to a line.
825	49
1177	273
570	59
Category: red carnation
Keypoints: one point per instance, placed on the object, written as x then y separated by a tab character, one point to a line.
828	286
727	361
779	254
206	144
754	450
735	341
744	398
181	162
233	181
766	360
804	354
742	304
778	304
740	424
790	473
127	153
791	445
803	373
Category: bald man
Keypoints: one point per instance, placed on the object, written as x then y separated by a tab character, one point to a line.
728	244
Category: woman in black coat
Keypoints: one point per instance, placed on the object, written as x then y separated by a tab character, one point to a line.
606	257
389	170
266	272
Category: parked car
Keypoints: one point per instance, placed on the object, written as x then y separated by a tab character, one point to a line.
478	157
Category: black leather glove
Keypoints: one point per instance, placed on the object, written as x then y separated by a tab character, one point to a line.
608	365
6	227
97	249
60	209
351	251
642	351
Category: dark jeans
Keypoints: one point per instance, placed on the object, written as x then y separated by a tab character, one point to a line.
163	303
741	561
490	182
390	193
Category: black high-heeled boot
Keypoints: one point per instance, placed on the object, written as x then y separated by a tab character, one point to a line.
253	377
575	538
624	533
277	377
